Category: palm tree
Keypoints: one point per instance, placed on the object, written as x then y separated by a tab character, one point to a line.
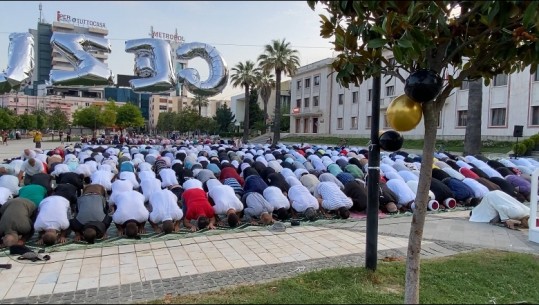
264	84
245	75
278	56
472	137
200	101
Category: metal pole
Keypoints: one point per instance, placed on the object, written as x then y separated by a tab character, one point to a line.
373	179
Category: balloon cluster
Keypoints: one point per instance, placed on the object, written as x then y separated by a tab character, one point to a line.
153	64
405	112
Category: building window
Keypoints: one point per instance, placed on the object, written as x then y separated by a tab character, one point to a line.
315	101
298	84
307	83
341	99
462	118
339	123
390	90
369	95
354	122
368	122
354	97
497	117
438	123
306	102
535	115
297	125
500	80
391	61
298	103
536	75
317	80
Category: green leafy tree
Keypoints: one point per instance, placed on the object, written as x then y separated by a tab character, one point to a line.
245	75
7	119
200	101
91	117
58	119
129	116
166	121
281	58
108	114
187	120
224	118
264	84
256	115
27	121
42	119
478	38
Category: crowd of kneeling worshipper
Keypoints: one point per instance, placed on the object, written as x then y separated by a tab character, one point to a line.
83	189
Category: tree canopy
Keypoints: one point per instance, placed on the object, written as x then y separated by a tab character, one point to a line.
457	39
129	116
225	118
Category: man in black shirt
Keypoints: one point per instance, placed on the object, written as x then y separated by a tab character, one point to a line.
92	220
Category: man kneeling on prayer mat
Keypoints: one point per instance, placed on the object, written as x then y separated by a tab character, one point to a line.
197	207
130	214
165	211
225	202
16	217
92	220
498	206
52	222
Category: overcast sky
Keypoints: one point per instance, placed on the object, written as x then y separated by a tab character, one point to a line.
238	29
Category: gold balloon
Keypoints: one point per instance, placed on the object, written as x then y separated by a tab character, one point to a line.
403	113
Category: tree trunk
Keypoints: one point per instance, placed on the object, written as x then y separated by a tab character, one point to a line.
277	122
265	99
411	292
472	138
199	109
246	116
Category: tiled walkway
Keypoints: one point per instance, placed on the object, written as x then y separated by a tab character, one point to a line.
126	264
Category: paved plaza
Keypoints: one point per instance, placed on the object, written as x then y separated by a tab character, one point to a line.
200	262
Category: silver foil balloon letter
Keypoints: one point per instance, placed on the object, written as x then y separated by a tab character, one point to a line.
153	63
76	48
218	77
20	62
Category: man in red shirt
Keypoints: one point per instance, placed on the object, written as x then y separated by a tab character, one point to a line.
197	207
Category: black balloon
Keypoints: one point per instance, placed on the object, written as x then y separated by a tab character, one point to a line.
391	140
423	85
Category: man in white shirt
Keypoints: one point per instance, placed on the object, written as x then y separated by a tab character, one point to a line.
118	187
29	168
168	177
331	198
225	202
11	183
52	220
302	201
278	200
165	211
130	214
5	195
405	195
103	177
148	186
498	206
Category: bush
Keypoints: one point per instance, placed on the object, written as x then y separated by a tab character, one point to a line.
535	138
530	144
520	149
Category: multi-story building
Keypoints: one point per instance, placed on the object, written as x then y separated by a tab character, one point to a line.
322	106
22	104
237	102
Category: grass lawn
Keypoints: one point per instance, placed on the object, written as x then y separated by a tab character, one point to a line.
483	277
454	146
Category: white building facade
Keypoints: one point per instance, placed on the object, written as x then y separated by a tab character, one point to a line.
321	106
